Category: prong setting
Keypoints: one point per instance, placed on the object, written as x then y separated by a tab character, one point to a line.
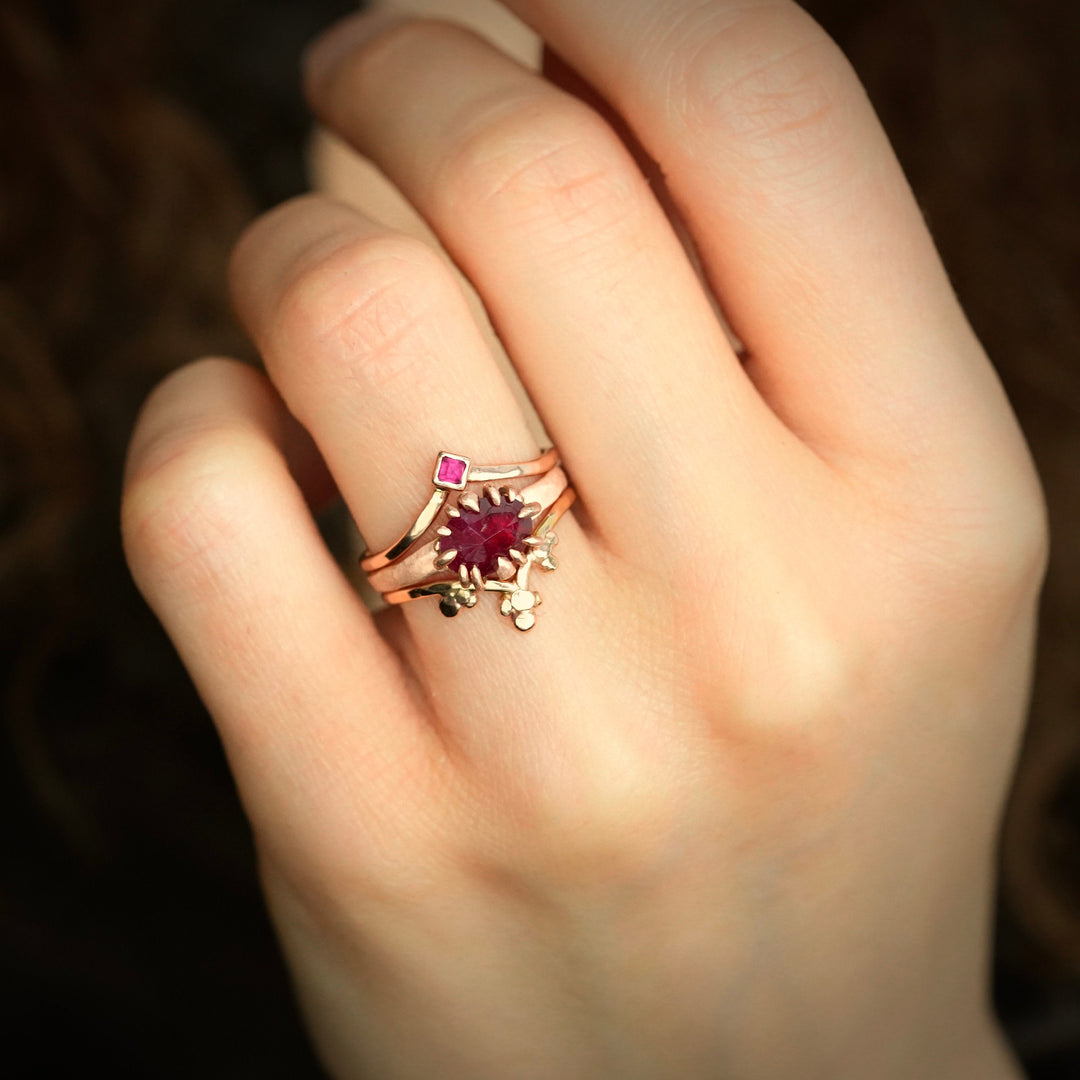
490	540
444	558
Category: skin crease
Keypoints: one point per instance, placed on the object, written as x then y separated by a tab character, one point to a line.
730	809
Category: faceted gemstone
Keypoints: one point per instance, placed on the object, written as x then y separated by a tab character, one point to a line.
451	470
481	536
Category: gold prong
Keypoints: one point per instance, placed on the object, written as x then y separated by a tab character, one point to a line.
492	492
477	577
518	557
506	568
444	558
453	512
469	500
530	510
463	574
442	530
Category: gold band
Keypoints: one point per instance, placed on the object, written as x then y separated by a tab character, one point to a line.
442	588
370	561
420	564
488	543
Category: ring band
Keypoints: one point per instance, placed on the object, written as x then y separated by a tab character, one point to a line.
489	542
452	473
424	561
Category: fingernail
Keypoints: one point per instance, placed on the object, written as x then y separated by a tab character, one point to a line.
324	55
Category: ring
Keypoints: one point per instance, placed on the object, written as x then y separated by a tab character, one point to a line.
488	542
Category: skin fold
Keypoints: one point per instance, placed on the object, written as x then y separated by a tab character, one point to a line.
730	808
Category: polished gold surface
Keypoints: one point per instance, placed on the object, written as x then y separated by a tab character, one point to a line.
416	530
370	561
401	574
542	464
419	564
445	558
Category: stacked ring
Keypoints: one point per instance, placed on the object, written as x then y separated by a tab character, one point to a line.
489	541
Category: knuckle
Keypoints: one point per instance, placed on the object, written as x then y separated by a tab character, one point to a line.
771	86
991	555
968	562
402	41
363	308
1030	560
538	161
581	830
180	507
793	635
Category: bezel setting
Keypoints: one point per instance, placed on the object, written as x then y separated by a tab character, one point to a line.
451	471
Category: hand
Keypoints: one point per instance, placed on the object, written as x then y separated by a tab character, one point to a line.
729	809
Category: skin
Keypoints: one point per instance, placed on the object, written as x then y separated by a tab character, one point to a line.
730	808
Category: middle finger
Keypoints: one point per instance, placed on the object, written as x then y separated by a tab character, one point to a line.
544	208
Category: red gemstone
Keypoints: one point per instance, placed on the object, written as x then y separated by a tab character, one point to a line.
481	536
451	470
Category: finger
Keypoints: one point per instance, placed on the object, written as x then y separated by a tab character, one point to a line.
543	207
805	223
487	18
370	341
304	691
338	172
307	467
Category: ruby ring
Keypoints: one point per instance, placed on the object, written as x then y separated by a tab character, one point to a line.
490	540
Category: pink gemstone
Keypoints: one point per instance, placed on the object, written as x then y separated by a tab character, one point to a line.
481	536
451	469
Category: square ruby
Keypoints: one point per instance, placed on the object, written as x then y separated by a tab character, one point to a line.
451	471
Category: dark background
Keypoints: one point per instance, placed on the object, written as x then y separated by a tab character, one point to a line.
135	141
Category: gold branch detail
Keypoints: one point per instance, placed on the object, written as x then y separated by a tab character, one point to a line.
519	601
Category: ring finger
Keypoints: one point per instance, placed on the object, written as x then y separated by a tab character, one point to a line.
370	342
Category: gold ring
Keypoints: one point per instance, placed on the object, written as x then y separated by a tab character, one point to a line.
490	541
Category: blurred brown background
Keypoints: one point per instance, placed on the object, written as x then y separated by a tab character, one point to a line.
136	139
